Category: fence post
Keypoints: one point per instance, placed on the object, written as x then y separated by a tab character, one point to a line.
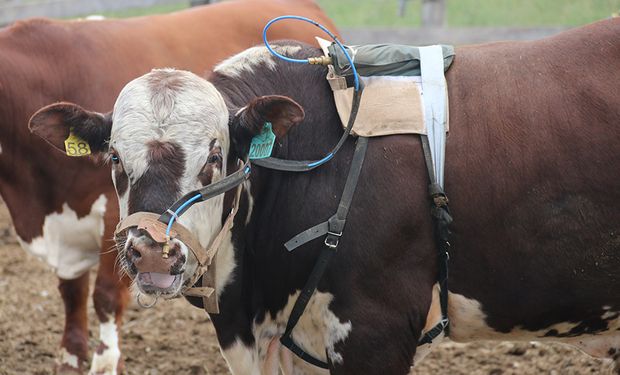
433	13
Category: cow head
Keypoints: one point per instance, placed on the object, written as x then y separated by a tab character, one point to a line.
170	133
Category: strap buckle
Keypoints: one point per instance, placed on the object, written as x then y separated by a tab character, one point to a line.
332	239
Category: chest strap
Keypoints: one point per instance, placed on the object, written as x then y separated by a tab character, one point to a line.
333	229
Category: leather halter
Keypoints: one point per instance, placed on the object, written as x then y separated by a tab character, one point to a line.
153	224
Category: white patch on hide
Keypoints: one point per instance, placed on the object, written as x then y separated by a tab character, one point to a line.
242	359
433	317
107	361
467	323
225	264
247	189
70	244
251	58
318	330
68	359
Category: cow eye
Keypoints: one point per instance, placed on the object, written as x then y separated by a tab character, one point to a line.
214	158
115	159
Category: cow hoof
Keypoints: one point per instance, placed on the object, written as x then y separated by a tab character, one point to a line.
106	361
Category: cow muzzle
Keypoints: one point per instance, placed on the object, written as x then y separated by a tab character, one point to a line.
155	261
157	275
154	272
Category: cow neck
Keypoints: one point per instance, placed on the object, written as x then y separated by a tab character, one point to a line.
207	271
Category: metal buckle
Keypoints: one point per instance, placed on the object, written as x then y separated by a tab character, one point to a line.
332	242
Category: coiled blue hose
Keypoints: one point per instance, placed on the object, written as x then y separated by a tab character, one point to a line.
305	61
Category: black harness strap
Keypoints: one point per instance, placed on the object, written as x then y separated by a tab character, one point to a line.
333	228
440	214
227	183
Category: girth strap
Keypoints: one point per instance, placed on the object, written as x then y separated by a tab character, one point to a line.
440	214
333	228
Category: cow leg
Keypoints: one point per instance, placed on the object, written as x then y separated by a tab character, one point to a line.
381	340
110	297
74	344
242	359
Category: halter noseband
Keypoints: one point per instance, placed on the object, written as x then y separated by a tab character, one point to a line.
157	228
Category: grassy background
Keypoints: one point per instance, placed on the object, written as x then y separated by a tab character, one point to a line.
459	13
157	9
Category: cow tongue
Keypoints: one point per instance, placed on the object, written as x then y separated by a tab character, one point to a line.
159	280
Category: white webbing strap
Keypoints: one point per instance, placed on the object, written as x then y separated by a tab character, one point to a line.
435	96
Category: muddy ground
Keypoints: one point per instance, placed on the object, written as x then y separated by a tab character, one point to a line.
175	338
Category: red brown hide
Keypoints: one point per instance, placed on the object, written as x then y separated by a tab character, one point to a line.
88	62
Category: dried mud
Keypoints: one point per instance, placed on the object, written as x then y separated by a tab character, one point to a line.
176	338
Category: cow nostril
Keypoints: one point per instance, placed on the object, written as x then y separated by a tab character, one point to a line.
174	251
133	253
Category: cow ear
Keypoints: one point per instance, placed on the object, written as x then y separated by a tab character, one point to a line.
282	112
54	122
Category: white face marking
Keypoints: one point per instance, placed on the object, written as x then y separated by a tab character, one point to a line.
167	105
68	359
253	57
70	244
182	108
107	361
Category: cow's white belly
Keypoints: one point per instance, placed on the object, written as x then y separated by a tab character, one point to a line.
70	244
467	323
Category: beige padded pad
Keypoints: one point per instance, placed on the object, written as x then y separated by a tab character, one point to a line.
389	104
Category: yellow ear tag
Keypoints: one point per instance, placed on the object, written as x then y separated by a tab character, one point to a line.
76	146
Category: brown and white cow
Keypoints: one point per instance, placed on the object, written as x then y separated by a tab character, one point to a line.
532	173
64	210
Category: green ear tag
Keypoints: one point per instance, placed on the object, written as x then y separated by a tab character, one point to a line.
262	144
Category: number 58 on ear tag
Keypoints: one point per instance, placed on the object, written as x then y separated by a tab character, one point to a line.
76	146
262	144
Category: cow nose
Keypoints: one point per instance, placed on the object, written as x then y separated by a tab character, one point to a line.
146	255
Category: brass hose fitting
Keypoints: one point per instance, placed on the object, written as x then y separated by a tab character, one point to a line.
321	60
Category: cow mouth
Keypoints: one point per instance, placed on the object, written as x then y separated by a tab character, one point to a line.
156	283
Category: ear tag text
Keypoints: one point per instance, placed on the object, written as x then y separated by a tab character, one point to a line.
262	144
76	146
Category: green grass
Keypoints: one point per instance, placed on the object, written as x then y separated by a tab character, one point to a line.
460	13
135	12
529	12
